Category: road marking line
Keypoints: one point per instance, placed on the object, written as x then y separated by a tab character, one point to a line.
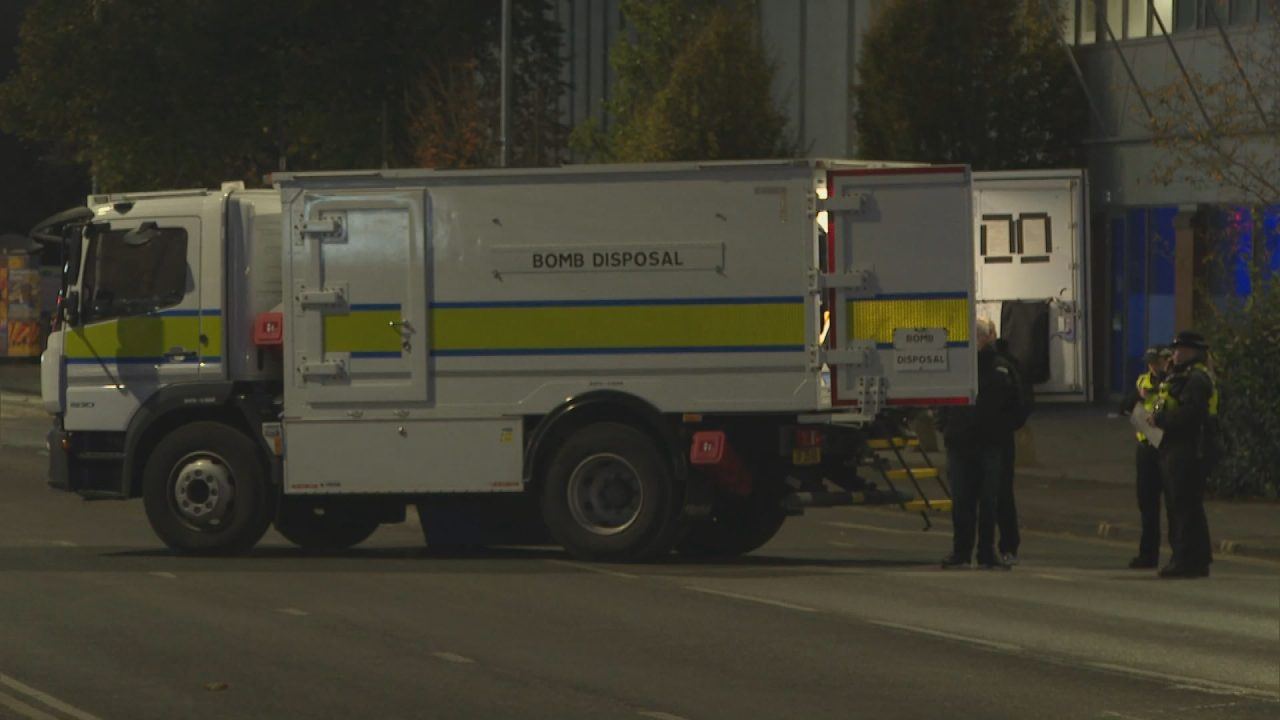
594	569
750	598
65	543
293	611
1060	578
46	698
24	709
165	575
454	658
659	715
1185	683
989	644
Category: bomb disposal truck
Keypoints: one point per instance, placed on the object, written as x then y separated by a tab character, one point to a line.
633	358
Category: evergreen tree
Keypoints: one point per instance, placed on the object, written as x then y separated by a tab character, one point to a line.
693	83
982	82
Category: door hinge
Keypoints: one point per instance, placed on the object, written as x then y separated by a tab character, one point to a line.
321	297
323	369
846	201
857	283
329	229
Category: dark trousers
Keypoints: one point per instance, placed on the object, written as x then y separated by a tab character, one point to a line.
975	488
1006	508
1184	492
1150	487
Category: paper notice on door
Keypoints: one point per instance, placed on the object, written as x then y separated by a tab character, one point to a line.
1140	418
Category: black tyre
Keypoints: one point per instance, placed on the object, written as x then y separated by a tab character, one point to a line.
206	490
736	525
322	527
608	495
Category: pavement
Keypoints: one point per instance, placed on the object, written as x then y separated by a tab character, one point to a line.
1074	475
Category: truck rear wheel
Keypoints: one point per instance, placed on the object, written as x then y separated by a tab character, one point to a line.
608	495
736	525
313	526
205	490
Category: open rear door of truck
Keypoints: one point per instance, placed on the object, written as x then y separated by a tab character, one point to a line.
898	284
1031	260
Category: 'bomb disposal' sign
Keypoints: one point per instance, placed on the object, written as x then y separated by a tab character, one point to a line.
920	349
509	259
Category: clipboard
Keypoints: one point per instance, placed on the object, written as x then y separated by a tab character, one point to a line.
1141	421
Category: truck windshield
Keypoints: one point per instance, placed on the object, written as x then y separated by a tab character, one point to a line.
123	278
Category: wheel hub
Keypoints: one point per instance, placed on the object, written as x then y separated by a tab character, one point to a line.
605	494
202	490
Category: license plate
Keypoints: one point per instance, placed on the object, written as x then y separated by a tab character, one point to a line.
806	456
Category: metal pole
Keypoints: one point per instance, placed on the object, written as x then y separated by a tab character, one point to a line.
1115	45
1075	67
505	131
1155	15
1236	60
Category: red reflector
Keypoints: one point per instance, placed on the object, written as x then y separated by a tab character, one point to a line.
707	447
808	438
268	329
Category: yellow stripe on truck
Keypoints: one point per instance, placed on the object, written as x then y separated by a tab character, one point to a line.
511	329
144	338
876	319
363	331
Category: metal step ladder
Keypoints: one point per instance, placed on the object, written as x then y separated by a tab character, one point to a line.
889	460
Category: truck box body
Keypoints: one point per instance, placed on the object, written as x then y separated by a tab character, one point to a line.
480	298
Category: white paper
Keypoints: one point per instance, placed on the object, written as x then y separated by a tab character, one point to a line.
1141	421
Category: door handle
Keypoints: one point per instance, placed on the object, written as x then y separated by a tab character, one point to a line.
178	354
402	325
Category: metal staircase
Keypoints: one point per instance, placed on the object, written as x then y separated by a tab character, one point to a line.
888	458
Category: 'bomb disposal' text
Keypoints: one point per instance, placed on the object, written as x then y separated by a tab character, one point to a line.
616	259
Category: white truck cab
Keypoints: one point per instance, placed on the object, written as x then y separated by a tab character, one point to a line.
633	358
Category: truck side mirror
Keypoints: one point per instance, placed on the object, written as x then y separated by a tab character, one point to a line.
142	234
71	308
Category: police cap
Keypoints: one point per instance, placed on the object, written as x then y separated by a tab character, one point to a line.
1190	339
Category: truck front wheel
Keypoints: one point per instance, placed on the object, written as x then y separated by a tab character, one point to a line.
608	495
205	490
312	526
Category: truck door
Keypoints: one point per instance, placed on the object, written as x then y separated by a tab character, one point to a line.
1030	273
899	279
141	325
357	299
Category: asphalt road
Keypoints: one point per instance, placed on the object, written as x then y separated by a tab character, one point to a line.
844	615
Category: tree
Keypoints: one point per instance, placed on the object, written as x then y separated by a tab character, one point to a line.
1221	131
35	182
454	122
982	82
693	83
182	93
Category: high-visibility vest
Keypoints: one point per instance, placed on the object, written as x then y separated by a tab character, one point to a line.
1171	402
1148	398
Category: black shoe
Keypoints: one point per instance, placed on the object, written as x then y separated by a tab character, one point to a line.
954	561
1177	572
1142	562
994	563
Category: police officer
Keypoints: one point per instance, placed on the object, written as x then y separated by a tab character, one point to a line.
1149	483
1186	401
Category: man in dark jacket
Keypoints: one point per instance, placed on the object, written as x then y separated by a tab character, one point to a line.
1187	402
1006	506
975	436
